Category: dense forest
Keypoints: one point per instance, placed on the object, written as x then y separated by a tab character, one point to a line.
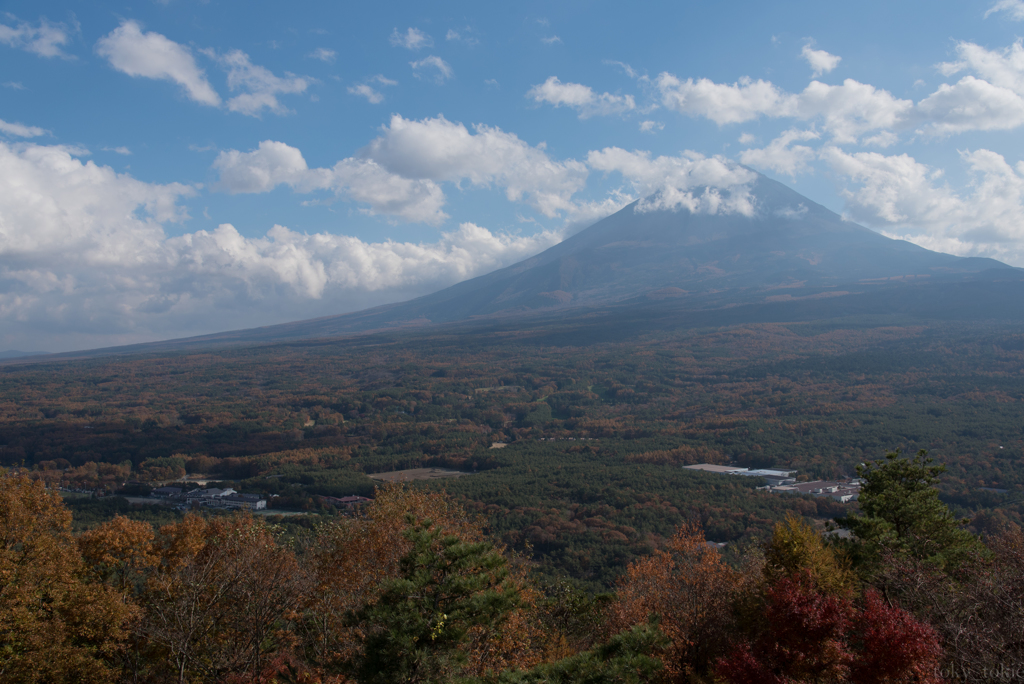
573	545
590	478
412	589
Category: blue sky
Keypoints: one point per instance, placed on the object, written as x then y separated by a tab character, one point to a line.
181	167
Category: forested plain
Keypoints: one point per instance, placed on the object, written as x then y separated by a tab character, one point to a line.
574	553
596	433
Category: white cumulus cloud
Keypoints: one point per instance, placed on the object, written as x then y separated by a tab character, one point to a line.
372	95
852	109
85	260
263	169
907	199
991	100
361	180
724	103
21	130
324	55
1003	68
441	150
821	62
364	90
68	209
855	112
261	86
782	155
971	104
845	111
433	68
386	193
1014	8
581	98
691	181
44	39
412	39
399	173
151	55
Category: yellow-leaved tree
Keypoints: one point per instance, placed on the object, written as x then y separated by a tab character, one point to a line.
57	624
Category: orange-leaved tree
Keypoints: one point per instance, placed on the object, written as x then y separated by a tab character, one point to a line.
119	552
690	590
56	624
220	603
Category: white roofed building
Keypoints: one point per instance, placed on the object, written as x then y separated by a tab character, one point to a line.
772	477
721	469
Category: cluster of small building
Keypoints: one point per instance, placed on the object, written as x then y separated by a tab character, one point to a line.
784	481
214	498
843	491
347	502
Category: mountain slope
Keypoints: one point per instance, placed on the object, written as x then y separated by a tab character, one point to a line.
790	250
791	244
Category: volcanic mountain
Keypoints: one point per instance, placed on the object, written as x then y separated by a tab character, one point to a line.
791	259
790	246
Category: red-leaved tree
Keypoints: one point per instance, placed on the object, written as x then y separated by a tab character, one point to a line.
895	647
811	636
804	638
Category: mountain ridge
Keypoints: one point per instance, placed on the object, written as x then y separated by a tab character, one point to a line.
790	250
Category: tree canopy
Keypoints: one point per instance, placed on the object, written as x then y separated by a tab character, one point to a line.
901	513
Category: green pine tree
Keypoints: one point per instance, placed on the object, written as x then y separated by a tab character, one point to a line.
627	658
415	629
901	514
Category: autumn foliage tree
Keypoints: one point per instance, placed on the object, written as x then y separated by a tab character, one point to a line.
348	560
353	562
411	590
120	553
812	636
807	624
803	638
797	548
689	590
894	645
57	624
220	601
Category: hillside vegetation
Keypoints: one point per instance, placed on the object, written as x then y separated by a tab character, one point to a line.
413	590
596	434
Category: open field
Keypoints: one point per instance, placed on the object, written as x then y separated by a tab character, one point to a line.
415	474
